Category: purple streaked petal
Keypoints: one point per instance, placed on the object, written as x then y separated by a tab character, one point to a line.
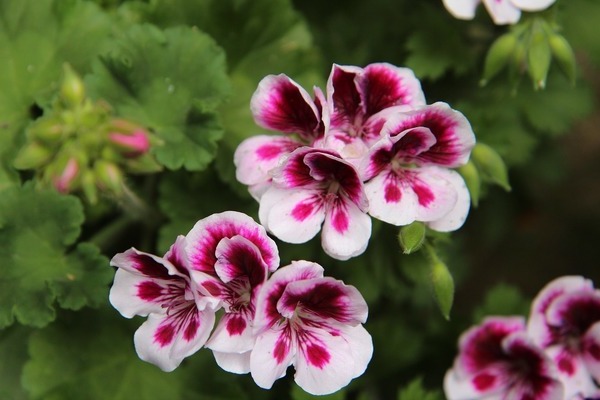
532	5
266	304
176	256
489	382
145	264
342	95
293	171
165	340
350	149
132	294
361	346
502	11
280	104
273	352
323	299
390	199
203	239
324	362
456	217
383	85
237	257
462	9
452	131
346	230
255	157
572	371
294	216
233	334
591	350
572	314
537	327
237	363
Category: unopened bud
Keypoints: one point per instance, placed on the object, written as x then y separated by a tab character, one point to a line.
108	176
88	185
441	281
498	56
144	164
538	58
132	144
412	237
32	156
563	53
490	165
471	176
48	130
65	180
72	90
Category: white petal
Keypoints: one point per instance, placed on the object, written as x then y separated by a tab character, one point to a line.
462	9
233	334
502	11
361	346
390	201
165	342
292	215
456	217
233	362
458	387
532	5
126	298
591	346
273	352
572	371
346	231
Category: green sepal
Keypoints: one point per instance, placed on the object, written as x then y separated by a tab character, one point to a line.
470	174
441	282
490	165
563	53
72	90
34	155
412	237
539	57
48	130
498	55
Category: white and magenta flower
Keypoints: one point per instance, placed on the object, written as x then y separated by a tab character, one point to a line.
279	104
179	317
312	188
498	361
230	257
565	321
408	171
313	323
360	101
502	11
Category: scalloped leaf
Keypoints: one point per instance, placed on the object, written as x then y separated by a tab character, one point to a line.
171	81
36	229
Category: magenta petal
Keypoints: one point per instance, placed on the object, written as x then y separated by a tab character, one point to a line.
591	350
343	96
233	334
280	104
273	352
238	257
346	230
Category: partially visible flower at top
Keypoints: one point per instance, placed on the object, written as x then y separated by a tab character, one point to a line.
180	318
315	187
565	322
313	323
278	104
230	257
408	171
497	360
502	11
360	100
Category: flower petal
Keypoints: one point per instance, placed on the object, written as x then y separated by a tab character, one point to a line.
233	334
457	216
390	200
462	9
238	257
233	362
591	350
145	264
346	230
361	346
255	157
273	352
572	371
203	239
343	96
292	215
281	104
132	294
489	382
502	11
532	5
165	340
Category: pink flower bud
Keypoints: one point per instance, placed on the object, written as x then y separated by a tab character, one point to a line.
134	144
64	181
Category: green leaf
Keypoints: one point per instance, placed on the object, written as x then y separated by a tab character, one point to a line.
171	81
415	391
502	299
36	229
13	353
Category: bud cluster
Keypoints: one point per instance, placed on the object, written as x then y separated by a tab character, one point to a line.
529	47
79	146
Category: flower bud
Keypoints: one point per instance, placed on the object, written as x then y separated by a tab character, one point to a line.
144	164
108	176
490	165
538	58
72	90
88	185
48	130
64	182
34	155
132	144
471	176
563	53
498	56
412	237
441	282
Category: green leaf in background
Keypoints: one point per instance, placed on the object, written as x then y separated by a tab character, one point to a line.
36	229
13	353
36	38
415	391
502	299
171	81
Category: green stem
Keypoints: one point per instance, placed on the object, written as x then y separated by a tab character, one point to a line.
105	237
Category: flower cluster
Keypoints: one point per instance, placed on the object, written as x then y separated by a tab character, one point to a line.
295	316
502	11
79	146
555	355
369	146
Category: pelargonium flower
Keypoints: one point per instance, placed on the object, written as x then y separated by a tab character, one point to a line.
315	187
497	360
180	318
565	321
360	101
230	257
313	323
278	104
502	11
407	172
